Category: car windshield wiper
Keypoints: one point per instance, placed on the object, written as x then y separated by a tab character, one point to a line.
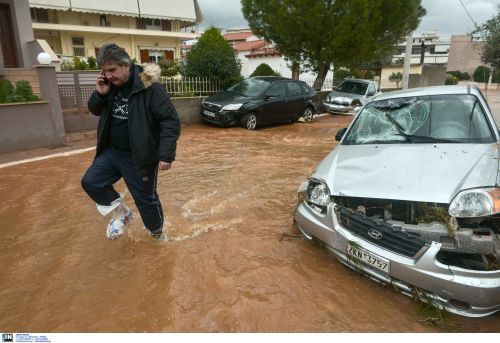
425	139
384	141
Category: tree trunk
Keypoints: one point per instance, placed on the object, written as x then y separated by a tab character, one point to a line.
295	70
322	71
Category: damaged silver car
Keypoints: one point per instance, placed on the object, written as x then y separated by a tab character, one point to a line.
411	197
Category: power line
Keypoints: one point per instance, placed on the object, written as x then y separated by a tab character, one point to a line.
466	10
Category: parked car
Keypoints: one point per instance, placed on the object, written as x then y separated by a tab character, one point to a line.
350	95
411	197
258	101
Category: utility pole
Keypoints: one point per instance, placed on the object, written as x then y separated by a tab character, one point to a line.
407	61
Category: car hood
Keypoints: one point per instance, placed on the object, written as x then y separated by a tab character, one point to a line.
351	96
413	172
225	98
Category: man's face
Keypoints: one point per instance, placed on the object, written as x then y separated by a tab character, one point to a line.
116	74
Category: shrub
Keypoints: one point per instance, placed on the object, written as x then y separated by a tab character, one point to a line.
341	73
459	75
451	80
369	75
356	73
92	63
264	69
79	64
6	91
169	68
481	74
24	91
21	93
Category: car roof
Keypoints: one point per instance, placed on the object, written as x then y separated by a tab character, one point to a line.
272	78
359	81
432	90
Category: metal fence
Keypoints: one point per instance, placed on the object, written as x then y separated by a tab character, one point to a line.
200	86
328	84
190	86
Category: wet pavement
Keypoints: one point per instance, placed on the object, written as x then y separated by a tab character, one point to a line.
232	263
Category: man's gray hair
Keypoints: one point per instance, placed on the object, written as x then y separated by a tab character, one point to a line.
112	53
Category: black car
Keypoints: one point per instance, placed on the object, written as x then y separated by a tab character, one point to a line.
261	100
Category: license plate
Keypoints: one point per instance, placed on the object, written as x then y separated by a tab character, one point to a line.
368	258
208	113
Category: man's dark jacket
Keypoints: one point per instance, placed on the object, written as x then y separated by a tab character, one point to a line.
153	122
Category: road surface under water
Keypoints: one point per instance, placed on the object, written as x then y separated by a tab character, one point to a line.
228	200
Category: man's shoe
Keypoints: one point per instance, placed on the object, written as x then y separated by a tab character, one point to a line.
115	229
158	235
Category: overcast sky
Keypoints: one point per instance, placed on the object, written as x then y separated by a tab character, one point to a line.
448	17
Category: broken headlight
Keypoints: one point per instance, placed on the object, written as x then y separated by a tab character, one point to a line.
318	195
479	202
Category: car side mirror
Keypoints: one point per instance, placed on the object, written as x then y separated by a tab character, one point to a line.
340	134
267	97
370	93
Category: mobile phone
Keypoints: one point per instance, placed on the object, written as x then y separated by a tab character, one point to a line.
105	80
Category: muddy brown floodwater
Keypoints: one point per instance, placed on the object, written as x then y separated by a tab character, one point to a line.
228	199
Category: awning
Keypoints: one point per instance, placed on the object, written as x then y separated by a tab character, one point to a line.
61	5
116	7
182	10
170	10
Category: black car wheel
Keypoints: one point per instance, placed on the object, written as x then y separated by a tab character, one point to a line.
249	121
307	114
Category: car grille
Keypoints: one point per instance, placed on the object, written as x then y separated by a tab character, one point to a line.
338	102
387	236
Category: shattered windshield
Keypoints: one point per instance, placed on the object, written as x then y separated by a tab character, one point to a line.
249	87
424	119
352	87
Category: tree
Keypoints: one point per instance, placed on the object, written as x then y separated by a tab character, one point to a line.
396	77
264	69
213	57
490	33
322	33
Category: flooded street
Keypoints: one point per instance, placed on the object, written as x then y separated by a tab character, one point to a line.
227	266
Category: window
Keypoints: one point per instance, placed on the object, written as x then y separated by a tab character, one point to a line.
153	24
39	15
78	46
277	90
294	89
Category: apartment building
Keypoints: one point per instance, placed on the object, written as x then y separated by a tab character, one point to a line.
428	46
150	30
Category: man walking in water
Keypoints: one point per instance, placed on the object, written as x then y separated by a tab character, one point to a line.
136	136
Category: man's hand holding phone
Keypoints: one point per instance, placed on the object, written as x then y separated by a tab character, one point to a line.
102	84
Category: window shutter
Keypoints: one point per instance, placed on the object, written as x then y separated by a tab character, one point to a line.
166	25
169	55
144	56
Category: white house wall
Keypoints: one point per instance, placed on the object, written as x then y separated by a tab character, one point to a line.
277	63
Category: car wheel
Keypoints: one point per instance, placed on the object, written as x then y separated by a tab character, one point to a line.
307	114
249	121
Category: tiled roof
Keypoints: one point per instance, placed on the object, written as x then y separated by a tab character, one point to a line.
238	35
249	46
263	52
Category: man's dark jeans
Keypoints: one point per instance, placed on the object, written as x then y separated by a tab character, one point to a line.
108	168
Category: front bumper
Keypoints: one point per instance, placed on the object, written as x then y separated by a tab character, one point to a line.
465	292
221	118
336	108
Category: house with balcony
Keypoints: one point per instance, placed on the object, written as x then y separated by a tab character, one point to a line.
150	30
